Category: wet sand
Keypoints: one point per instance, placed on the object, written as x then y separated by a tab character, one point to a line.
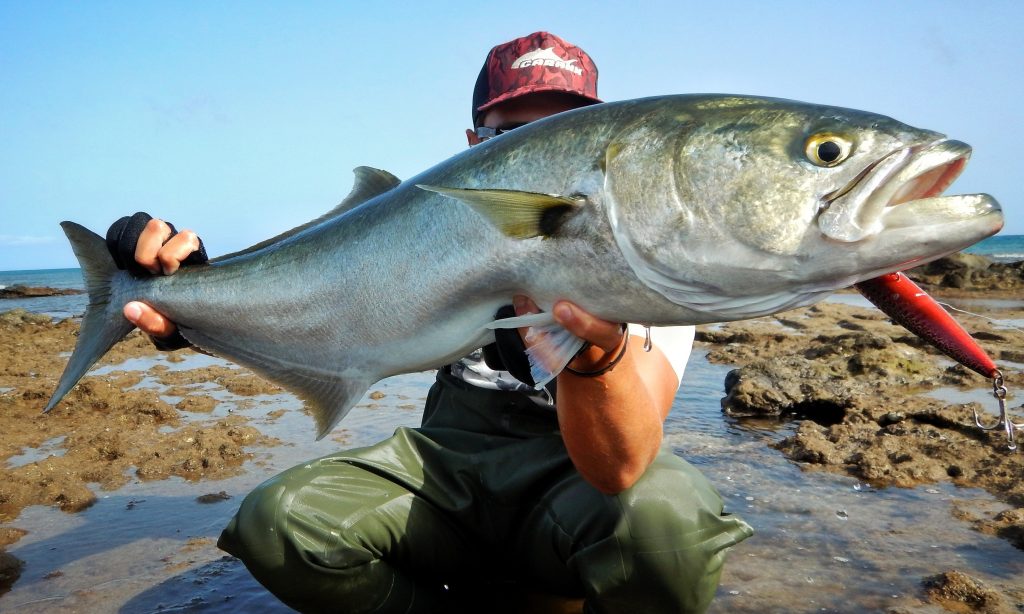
154	451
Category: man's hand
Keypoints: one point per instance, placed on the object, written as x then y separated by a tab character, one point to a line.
604	336
148	246
611	424
161	251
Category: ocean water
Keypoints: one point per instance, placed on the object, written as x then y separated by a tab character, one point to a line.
57	306
1000	248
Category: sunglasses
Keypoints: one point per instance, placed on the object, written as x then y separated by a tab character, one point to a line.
485	132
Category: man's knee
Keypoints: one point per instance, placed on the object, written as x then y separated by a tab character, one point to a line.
290	534
316	512
668	546
254	534
670	501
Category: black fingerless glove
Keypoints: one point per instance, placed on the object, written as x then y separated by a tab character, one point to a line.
122	240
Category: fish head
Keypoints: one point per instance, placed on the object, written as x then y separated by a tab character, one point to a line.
739	207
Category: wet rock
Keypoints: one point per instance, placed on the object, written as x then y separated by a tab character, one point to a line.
199	451
19	317
779	388
792	323
1007	524
970	272
213	497
932	443
893	417
21	291
248	384
1010	526
957	375
1012	355
723	337
198	404
958	592
756	390
10	570
10	535
107	431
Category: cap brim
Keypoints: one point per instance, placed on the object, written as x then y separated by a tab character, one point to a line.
533	89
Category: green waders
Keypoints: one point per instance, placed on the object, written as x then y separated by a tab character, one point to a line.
484	491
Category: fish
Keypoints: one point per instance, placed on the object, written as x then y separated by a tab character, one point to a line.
663	211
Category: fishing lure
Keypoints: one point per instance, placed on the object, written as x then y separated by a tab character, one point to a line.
910	306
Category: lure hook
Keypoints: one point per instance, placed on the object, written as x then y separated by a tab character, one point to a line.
1004	422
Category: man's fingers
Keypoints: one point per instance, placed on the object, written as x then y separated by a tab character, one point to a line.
148	320
150	241
177	249
602	333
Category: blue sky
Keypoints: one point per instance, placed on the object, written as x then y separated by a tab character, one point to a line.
243	119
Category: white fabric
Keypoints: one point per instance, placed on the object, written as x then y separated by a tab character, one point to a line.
675	342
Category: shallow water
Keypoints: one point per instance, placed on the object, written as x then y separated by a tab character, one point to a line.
823	542
55	306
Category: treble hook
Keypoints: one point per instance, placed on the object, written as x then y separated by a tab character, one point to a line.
1004	422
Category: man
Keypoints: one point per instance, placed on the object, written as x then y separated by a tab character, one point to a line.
566	490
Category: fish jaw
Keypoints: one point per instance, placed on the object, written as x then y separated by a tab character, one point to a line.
902	187
895	215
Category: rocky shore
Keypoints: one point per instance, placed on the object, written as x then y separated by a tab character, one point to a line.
867	394
868	400
20	291
867	397
106	433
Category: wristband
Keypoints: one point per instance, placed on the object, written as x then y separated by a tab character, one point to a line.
608	367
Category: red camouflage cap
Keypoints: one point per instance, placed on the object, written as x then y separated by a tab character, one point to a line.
537	62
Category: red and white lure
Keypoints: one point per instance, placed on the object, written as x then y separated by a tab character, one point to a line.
910	306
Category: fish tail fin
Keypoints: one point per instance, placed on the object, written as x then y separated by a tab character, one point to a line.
102	325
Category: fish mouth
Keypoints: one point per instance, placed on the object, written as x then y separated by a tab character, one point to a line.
903	189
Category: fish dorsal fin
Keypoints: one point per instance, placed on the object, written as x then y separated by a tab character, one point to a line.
369	183
517	214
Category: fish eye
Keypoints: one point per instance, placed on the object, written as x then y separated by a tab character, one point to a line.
827	149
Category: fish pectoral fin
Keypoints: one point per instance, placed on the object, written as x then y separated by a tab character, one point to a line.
517	214
549	347
328	395
531	319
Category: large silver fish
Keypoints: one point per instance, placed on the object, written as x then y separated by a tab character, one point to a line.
663	211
